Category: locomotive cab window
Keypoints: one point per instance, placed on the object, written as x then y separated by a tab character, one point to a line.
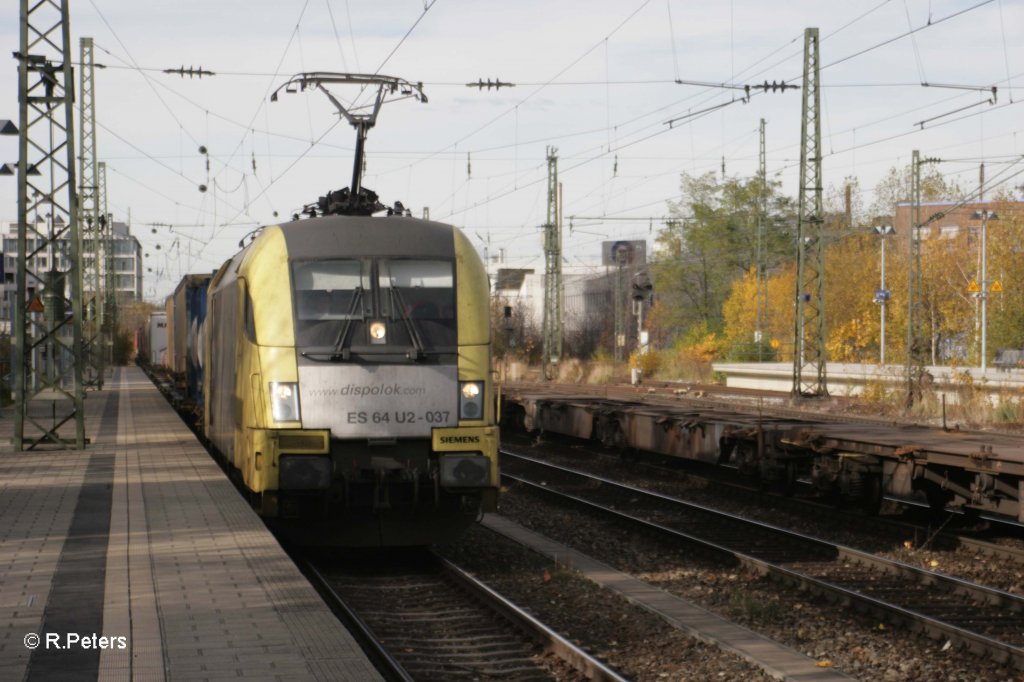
328	295
386	304
420	294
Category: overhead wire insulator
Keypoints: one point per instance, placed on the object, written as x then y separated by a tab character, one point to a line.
489	84
197	72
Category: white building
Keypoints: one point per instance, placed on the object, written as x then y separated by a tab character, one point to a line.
126	265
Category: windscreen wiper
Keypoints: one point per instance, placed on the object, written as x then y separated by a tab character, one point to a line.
418	349
339	341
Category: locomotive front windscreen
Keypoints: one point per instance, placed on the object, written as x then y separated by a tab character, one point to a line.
375	304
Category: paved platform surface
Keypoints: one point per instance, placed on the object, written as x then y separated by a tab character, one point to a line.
140	539
774	658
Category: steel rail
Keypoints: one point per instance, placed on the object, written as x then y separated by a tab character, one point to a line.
946	538
999	650
526	626
387	664
579	659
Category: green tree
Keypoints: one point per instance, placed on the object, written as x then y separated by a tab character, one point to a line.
835	203
1006	264
895	187
710	241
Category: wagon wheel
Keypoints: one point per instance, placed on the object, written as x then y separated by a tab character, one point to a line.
871	499
937	501
787	483
611	434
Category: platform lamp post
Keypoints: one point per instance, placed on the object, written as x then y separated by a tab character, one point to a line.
984	216
882	295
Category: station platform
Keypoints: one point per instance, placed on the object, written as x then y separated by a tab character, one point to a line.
136	559
850	379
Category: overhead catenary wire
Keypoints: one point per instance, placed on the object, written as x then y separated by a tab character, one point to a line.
145	77
483	169
841	60
337	38
317	140
931	23
549	82
263	188
858	146
1006	55
182	127
540	88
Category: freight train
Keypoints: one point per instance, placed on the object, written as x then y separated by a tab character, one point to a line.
857	461
340	366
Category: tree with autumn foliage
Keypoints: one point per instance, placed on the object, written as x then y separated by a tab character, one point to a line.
1006	265
852	274
704	272
709	242
739	310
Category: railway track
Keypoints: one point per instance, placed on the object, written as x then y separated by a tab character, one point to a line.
426	619
989	548
921	527
984	620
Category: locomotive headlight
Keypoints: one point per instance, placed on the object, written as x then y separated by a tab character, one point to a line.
284	401
378	332
471	399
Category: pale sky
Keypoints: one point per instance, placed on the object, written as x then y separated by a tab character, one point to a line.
596	79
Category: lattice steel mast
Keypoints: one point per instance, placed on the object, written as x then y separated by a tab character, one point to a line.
762	247
809	352
915	309
552	345
110	282
89	219
47	343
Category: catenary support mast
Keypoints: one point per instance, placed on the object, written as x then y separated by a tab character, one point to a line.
47	339
552	346
762	247
89	221
809	352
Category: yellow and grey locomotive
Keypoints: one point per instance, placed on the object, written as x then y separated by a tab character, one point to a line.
348	378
